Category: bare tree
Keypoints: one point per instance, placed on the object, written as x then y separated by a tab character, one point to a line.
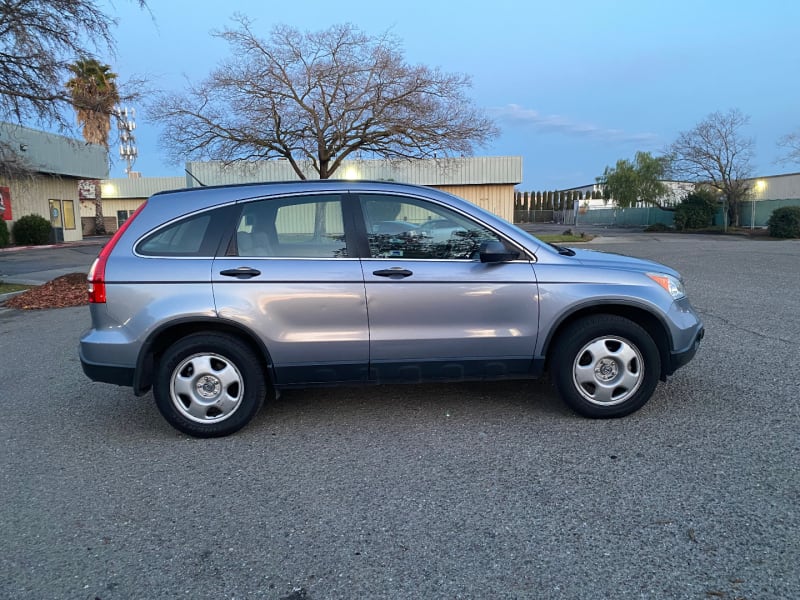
38	41
791	143
716	154
318	97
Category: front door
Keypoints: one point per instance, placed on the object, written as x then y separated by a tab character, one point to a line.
435	310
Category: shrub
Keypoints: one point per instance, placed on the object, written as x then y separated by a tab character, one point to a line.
696	211
31	230
784	222
3	233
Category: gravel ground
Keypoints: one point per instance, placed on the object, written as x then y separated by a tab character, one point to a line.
435	491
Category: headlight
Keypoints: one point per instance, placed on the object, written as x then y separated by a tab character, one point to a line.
673	285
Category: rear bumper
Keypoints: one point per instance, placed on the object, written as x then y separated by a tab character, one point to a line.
107	373
680	358
105	354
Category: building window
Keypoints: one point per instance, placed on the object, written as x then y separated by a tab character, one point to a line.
68	208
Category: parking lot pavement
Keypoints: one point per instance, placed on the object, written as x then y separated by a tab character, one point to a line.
489	490
35	265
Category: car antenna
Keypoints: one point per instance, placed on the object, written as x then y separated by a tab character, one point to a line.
189	173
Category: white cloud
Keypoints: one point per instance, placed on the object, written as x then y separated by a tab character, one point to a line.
519	115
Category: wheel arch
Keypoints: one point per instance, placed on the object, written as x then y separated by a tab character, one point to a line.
642	316
167	334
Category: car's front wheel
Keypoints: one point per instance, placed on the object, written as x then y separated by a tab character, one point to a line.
209	385
605	366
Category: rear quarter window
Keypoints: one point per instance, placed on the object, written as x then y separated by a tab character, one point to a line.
197	235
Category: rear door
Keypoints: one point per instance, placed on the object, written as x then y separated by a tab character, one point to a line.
289	276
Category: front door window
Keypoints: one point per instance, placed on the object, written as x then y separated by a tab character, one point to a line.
405	228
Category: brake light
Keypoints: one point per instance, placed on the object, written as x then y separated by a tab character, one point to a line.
97	273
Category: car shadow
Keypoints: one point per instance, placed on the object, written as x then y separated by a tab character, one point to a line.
117	414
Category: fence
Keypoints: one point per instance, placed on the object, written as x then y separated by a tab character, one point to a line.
535	216
760	209
642	217
615	217
626	217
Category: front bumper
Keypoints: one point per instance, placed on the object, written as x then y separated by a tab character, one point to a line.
681	357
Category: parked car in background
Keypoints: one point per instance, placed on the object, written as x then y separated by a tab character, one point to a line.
211	297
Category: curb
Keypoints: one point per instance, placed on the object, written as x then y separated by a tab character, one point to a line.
98	242
22	281
9	295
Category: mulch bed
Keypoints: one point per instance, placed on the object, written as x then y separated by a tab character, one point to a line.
67	290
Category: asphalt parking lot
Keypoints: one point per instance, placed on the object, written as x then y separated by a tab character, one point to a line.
437	491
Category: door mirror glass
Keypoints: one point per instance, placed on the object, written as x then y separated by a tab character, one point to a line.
496	251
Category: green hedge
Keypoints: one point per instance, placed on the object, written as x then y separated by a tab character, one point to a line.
4	235
785	222
696	211
31	230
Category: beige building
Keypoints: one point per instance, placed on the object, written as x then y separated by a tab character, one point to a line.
776	187
486	181
121	197
56	164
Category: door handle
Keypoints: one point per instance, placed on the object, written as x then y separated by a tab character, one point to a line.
241	272
394	272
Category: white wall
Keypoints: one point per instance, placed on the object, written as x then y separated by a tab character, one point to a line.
776	187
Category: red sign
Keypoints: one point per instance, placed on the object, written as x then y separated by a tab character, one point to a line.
5	204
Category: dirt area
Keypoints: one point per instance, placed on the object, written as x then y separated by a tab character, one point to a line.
67	290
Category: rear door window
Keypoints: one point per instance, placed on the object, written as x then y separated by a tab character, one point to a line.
298	227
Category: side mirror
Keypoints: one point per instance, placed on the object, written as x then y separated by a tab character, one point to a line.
494	251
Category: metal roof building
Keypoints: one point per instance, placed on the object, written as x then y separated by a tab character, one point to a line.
486	181
480	170
57	163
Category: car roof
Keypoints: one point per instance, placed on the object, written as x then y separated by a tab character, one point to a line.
173	203
268	188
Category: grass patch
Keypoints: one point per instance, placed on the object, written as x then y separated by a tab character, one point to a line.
561	238
7	288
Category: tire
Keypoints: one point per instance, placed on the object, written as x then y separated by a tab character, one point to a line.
605	366
209	385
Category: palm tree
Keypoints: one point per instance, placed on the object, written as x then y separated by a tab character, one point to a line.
94	95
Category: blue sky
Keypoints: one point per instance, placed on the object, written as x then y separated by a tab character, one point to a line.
573	85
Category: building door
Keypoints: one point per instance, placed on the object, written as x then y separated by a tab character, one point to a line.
122	216
56	221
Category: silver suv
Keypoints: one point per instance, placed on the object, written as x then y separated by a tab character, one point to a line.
213	296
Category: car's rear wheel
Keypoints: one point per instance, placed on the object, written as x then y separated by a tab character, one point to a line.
605	366
209	385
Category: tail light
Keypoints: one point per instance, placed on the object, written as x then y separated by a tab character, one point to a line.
97	273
